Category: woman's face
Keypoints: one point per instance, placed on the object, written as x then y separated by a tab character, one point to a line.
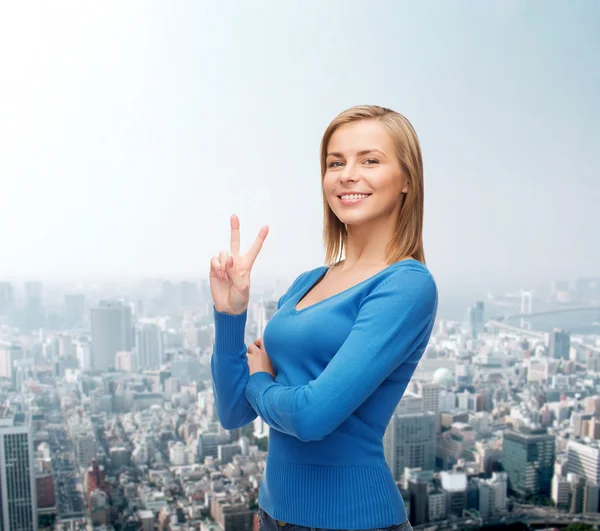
361	159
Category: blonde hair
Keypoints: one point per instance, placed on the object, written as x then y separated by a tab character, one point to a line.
407	240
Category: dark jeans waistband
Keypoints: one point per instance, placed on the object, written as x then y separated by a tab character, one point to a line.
268	523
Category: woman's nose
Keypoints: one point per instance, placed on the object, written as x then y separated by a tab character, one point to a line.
350	173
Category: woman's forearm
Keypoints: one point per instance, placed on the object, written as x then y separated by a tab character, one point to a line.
230	373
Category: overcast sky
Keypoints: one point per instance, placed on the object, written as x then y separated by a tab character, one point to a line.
130	131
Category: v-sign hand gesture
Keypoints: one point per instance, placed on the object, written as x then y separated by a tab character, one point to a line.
230	272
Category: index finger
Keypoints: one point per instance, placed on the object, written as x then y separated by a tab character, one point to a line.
257	244
234	242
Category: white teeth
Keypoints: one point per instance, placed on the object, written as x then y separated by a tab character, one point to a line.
354	196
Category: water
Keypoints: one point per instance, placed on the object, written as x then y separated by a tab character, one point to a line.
581	323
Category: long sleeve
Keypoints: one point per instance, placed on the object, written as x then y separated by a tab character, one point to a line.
392	322
229	368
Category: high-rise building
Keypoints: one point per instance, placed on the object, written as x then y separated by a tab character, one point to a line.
189	293
125	361
528	458
170	296
560	344
418	502
112	332
270	309
454	485
149	346
10	356
584	460
476	319
74	315
83	351
7	299
208	445
33	313
430	391
561	489
409	441
18	498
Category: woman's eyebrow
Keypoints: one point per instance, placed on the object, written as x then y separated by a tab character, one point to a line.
359	154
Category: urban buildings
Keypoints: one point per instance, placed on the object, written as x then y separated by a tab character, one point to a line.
18	499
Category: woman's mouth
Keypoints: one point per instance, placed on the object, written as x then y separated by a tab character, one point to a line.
352	199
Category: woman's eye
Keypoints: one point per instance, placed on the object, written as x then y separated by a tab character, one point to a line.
334	164
372	161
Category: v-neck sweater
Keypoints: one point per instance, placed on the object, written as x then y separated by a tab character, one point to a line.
342	366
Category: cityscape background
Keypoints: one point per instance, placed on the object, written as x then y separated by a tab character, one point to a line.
129	133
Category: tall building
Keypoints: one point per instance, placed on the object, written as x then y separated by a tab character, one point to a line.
560	344
454	485
270	309
7	299
430	391
95	480
74	315
208	445
33	313
10	355
112	332
149	346
170	296
18	498
189	293
83	351
584	460
476	319
409	441
125	361
418	502
528	458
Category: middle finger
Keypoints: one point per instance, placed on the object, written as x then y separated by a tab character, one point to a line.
223	257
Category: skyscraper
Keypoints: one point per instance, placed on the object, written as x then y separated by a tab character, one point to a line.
112	332
7	299
528	458
430	391
560	344
476	319
583	459
149	346
33	313
10	354
74	310
18	500
409	441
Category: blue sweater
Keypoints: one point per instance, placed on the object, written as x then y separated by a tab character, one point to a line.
342	366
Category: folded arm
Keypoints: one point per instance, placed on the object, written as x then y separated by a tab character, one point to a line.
392	321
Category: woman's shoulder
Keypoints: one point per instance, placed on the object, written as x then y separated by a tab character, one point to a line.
404	279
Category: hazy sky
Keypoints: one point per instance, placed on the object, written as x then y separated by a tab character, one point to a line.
130	131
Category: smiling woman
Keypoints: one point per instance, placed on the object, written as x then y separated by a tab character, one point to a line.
340	350
390	167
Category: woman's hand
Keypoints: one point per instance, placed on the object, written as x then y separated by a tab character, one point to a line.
258	361
230	272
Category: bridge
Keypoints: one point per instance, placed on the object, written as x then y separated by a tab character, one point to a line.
494	324
549	312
